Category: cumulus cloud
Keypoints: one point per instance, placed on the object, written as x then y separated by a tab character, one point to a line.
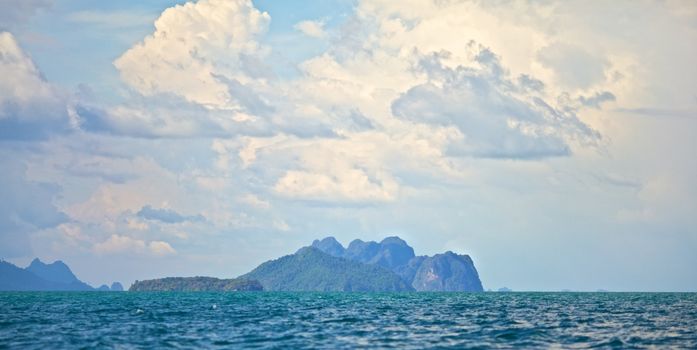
119	244
168	117
161	248
313	29
573	67
498	117
30	107
192	47
351	185
203	73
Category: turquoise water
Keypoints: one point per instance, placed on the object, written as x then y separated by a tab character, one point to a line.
46	320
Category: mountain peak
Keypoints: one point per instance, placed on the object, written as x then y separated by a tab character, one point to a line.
330	246
446	271
394	240
57	271
311	269
39	276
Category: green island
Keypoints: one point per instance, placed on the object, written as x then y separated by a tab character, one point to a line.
196	284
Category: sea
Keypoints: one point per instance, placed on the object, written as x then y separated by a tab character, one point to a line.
310	320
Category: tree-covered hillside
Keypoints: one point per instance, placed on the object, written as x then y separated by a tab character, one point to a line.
195	284
313	270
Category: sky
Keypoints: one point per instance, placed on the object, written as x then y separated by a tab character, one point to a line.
555	142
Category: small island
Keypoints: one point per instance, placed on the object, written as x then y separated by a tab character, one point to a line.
196	284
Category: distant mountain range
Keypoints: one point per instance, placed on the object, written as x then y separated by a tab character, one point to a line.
39	276
441	272
326	265
310	269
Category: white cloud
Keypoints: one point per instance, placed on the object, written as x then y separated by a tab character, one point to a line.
314	29
161	248
254	201
119	244
352	185
30	107
498	116
195	50
587	70
108	201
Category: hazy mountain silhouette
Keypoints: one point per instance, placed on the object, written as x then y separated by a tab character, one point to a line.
39	276
441	272
311	269
57	272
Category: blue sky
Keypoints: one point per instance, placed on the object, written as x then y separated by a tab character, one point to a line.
554	142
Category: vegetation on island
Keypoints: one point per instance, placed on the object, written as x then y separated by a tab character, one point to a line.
313	270
196	284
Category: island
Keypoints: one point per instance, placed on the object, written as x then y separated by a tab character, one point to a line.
310	269
326	266
441	272
196	284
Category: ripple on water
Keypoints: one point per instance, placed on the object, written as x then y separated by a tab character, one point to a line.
348	320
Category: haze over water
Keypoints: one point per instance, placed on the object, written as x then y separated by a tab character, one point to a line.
265	320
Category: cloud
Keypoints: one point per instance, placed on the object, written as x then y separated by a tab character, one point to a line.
314	29
574	67
255	202
118	244
168	117
193	45
161	248
659	112
30	107
166	215
203	73
354	168
498	116
16	13
351	185
598	99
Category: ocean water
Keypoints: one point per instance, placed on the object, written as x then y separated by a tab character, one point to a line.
46	320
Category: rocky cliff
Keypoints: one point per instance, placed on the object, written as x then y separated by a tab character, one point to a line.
441	272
